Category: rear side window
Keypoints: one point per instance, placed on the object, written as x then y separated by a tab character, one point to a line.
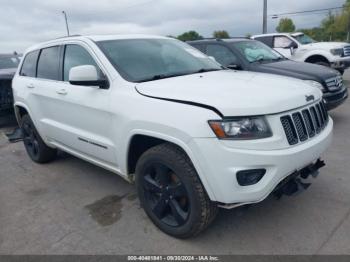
48	65
76	55
29	64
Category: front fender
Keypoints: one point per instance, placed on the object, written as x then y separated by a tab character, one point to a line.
323	53
173	136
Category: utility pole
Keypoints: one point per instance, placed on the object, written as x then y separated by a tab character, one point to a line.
65	18
265	17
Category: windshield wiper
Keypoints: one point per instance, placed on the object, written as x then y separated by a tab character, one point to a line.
163	76
160	76
204	70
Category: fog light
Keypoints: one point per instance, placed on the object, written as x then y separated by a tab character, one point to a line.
250	177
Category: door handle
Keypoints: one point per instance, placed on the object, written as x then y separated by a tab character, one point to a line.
61	92
30	86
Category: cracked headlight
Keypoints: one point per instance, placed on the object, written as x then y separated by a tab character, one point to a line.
241	128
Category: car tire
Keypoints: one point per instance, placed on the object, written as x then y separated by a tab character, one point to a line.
36	148
171	192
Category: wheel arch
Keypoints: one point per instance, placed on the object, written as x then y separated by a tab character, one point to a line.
20	110
141	142
317	58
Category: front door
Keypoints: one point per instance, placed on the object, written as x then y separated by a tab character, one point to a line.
81	118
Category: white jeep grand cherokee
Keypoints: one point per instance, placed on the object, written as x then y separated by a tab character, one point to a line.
193	136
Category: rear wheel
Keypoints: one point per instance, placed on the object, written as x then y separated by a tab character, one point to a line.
37	150
171	192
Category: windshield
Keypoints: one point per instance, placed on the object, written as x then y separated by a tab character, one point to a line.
140	60
255	51
8	62
304	39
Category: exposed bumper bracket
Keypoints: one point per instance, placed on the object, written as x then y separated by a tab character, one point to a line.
293	184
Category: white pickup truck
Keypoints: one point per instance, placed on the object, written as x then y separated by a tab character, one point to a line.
300	47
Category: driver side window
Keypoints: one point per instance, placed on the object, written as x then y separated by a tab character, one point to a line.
76	55
222	54
282	42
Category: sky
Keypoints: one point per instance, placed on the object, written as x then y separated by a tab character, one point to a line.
27	22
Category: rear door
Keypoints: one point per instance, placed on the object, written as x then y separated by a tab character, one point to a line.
40	73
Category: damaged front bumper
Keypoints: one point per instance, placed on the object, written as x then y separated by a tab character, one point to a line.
290	186
294	183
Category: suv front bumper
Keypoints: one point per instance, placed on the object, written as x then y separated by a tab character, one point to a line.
342	63
220	163
333	100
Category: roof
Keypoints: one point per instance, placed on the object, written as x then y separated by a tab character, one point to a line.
95	38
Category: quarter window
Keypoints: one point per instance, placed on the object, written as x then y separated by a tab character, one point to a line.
48	65
222	54
76	55
29	64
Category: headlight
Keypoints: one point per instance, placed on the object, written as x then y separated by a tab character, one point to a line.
337	51
315	84
241	128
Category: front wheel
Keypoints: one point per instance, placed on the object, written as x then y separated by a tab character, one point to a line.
171	193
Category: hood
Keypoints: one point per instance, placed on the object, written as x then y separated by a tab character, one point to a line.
7	73
325	45
304	71
234	93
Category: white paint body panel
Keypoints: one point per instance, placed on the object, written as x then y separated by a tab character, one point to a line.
110	118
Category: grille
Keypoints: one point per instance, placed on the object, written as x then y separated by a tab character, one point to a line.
303	125
6	97
334	83
347	50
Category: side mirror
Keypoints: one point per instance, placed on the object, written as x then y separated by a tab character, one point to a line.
292	45
234	66
86	75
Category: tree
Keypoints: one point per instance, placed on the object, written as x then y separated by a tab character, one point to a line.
190	36
285	25
221	34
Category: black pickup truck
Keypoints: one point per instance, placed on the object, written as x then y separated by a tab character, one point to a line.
8	67
251	55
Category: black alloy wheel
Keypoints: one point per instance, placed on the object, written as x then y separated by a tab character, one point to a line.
166	195
30	140
36	148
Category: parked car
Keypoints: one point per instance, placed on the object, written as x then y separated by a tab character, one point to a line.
192	135
251	55
8	67
301	47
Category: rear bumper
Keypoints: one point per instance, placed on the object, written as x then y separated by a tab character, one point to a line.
333	100
220	164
